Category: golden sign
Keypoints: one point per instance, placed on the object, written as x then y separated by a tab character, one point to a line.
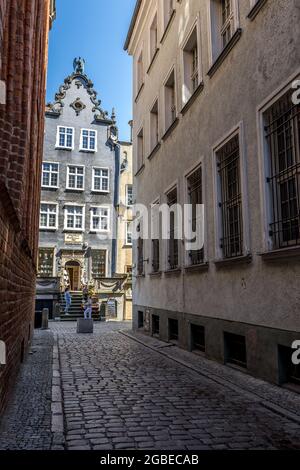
74	238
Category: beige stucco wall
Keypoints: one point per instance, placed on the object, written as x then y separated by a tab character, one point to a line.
262	61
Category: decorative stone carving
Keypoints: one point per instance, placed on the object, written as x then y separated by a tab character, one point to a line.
78	106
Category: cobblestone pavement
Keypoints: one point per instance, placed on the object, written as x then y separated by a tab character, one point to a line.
120	394
26	423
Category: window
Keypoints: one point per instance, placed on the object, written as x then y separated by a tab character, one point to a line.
197	338
45	262
128	234
48	216
235	349
140	149
153	38
75	177
50	175
173	240
155	221
74	218
195	197
190	65
224	23
173	329
65	138
99	263
140	72
282	134
230	203
170	101
155	325
140	256
140	319
88	140
129	195
289	373
99	219
154	137
101	179
168	10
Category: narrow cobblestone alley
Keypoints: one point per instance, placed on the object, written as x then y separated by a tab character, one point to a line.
121	394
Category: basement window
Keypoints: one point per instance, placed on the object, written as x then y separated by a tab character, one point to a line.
140	319
173	329
235	349
289	373
155	325
197	338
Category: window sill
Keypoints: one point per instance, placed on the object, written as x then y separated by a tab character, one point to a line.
140	170
75	189
246	259
171	272
154	151
48	229
197	268
256	9
155	274
74	230
53	188
127	246
192	98
168	26
139	92
225	52
153	59
87	151
170	129
64	148
291	253
99	191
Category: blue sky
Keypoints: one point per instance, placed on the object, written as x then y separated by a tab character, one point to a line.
95	30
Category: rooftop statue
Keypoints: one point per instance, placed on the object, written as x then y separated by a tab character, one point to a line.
78	65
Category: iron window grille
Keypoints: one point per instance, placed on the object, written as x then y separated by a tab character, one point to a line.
99	263
45	263
282	133
140	252
231	199
195	194
155	255
173	241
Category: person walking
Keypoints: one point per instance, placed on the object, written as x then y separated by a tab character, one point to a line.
88	308
68	300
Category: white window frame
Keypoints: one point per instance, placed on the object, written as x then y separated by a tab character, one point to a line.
263	157
152	143
188	173
126	195
68	175
237	130
64	147
127	231
50	186
172	69
152	52
56	214
81	148
69	229
215	40
101	177
94	230
186	93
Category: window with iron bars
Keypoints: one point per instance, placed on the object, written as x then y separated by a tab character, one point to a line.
155	255
282	133
228	164
140	253
194	183
173	241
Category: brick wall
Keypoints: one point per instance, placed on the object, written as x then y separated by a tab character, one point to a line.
24	26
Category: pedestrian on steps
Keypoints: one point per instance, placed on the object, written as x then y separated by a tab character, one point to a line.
88	308
68	300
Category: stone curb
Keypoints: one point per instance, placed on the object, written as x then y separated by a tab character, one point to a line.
161	349
57	415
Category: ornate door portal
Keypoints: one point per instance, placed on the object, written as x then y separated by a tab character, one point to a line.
73	269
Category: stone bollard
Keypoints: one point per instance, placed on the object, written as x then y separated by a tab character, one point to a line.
45	318
85	325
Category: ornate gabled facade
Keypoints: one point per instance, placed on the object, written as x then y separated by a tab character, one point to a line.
78	222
